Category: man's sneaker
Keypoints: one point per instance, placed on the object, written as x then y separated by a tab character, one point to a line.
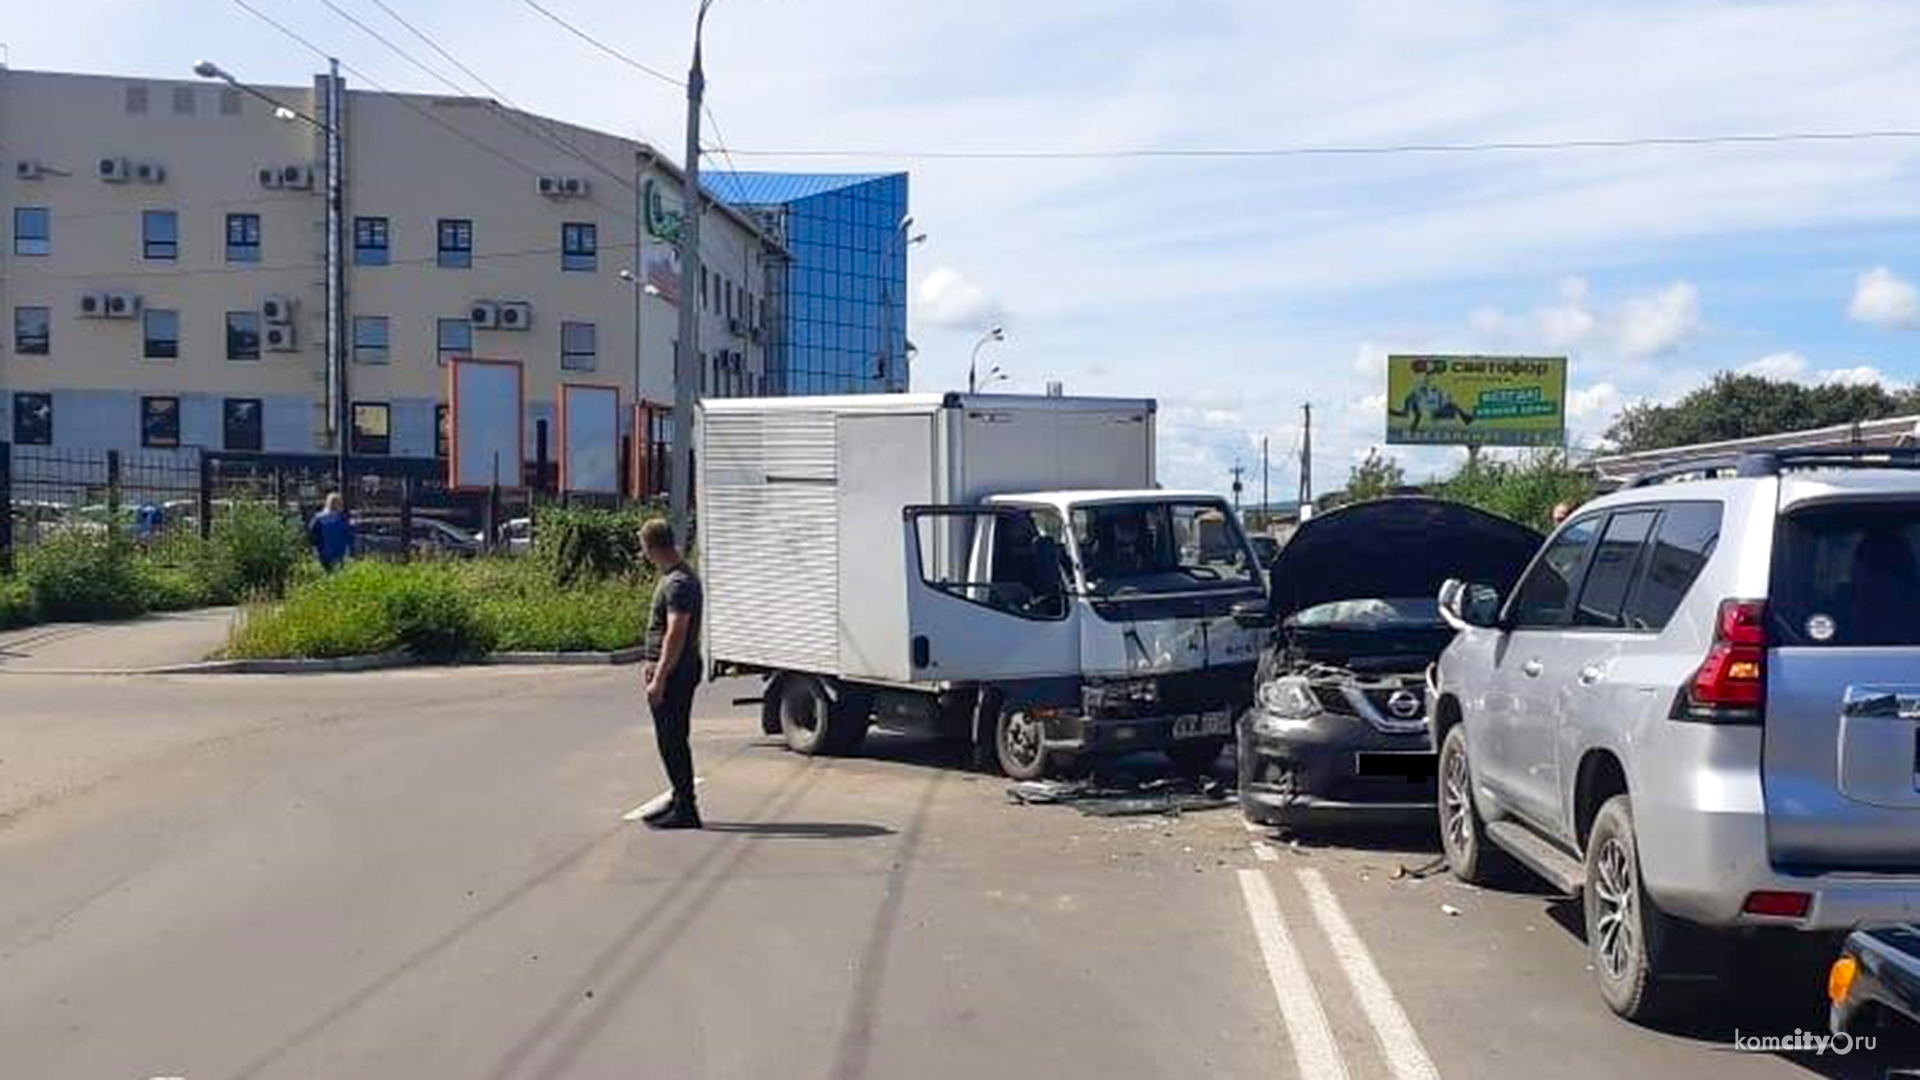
678	816
658	813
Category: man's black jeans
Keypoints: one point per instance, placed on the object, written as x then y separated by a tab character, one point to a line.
672	723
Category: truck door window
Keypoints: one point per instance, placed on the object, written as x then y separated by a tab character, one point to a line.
1024	573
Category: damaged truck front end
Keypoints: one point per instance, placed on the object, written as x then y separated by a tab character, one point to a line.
1337	725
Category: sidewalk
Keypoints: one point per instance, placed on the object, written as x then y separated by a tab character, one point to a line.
153	641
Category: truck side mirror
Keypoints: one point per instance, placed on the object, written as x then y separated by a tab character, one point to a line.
1253	615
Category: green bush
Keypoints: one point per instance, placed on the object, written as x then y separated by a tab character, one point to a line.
79	575
1524	490
169	588
588	545
16	603
433	616
254	551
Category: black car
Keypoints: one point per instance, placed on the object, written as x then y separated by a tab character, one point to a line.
1876	979
1339	722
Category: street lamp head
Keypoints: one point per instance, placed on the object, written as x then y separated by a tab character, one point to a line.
626	275
917	238
906	223
998	333
651	289
284	114
207	69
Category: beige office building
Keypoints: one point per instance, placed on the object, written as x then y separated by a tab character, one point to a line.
164	279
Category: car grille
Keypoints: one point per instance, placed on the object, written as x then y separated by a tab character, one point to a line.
1338	700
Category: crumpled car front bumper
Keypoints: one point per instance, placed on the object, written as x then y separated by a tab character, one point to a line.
1332	765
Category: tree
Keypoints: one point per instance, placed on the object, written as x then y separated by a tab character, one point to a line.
1738	406
1375	478
1524	490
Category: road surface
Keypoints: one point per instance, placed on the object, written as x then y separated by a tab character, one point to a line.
427	874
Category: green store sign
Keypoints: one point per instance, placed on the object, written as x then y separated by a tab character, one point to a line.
663	221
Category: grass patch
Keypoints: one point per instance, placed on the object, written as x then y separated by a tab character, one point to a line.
16	603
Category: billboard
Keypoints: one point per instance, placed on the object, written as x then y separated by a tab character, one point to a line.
485	436
1477	400
590	438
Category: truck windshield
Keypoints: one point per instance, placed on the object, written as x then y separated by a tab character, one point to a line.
1160	547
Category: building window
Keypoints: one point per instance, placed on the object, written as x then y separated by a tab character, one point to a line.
229	102
240	424
372	428
370	339
32	331
579	346
370	241
183	103
579	246
160	422
243	238
704	304
136	99
243	335
162	333
160	234
32	231
456	243
33	419
441	435
455	339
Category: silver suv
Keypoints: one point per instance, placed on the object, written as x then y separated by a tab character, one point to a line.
1700	710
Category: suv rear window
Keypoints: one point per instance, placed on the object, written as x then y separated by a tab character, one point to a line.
1848	575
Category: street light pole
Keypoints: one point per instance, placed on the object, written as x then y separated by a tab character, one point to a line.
973	365
338	420
906	239
687	354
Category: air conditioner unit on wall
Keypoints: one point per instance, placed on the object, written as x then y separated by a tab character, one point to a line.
547	185
298	177
277	309
484	315
28	169
123	305
150	172
574	186
279	338
270	176
114	170
516	315
93	305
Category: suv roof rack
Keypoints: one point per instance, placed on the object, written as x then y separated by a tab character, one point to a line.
1762	463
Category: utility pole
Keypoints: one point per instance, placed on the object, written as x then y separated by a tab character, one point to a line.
1266	475
1306	459
1238	471
688	353
341	413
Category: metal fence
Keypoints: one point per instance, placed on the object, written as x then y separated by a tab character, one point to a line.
164	500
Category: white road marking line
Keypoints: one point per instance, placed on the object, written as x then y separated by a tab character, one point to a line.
1251	827
1406	1058
1264	851
657	802
1315	1054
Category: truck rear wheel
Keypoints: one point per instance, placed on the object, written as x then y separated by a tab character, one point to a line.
813	723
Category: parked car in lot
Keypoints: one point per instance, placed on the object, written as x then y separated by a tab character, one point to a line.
1265	549
1700	709
1338	723
516	537
1876	981
428	536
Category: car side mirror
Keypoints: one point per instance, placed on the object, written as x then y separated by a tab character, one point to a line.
1253	615
1465	604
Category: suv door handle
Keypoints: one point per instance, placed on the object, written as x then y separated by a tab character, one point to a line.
1533	668
1590	675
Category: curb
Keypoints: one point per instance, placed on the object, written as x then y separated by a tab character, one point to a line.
347	664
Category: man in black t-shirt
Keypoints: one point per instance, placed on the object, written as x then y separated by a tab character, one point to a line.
672	655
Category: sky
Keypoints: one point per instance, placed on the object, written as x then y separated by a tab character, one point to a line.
1235	290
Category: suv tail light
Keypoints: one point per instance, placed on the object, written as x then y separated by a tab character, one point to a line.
1730	686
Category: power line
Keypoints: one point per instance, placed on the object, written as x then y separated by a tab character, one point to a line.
644	69
719	137
1508	146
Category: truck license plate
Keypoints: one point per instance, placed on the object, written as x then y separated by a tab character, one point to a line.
1199	727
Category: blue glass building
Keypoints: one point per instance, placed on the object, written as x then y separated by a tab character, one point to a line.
839	318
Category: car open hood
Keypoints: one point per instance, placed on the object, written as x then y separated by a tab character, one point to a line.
1403	546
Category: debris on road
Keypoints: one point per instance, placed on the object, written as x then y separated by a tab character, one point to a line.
1109	798
1449	909
1424	870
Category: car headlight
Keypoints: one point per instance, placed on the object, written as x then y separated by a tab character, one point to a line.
1284	702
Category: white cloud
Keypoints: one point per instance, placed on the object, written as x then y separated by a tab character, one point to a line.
1863	375
1882	298
1570	322
950	301
1780	365
1598	402
1652	325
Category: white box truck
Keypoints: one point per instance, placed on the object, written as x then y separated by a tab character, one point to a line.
995	567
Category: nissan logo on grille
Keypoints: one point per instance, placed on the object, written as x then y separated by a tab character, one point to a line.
1404	704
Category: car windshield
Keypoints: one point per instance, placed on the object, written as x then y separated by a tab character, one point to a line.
1400	613
1160	547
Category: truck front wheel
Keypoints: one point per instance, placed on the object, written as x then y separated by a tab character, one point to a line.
1019	740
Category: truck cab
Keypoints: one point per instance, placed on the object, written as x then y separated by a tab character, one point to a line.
1090	623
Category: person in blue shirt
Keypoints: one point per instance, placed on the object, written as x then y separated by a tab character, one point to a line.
331	533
